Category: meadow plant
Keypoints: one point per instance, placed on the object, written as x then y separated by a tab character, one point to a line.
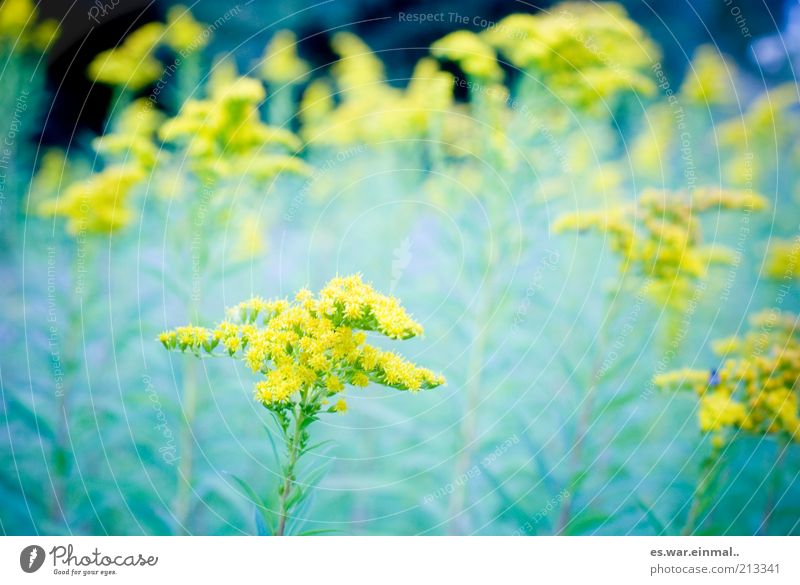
308	351
467	188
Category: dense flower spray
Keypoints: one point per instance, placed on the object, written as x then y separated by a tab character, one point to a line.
21	29
660	238
306	352
755	389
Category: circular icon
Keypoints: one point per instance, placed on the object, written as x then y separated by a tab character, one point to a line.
31	558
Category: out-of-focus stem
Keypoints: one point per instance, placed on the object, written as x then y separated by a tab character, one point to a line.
587	407
190	381
184	483
711	467
70	349
456	512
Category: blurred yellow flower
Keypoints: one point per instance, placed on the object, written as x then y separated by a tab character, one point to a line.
20	29
756	388
183	33
281	64
783	260
133	63
97	205
585	53
659	239
224	135
474	56
710	80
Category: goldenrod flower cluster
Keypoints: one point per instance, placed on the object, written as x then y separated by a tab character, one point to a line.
183	34
281	64
369	110
21	30
660	238
783	260
756	388
473	55
308	349
98	204
768	126
710	80
224	135
133	64
132	139
585	53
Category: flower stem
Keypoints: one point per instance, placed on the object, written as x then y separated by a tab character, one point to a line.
772	489
184	487
293	446
189	399
587	407
468	423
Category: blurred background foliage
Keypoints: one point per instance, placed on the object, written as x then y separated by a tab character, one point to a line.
439	174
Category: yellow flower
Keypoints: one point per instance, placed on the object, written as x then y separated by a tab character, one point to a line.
280	64
783	260
224	135
97	205
755	389
132	138
710	79
358	72
132	64
19	27
659	240
718	410
474	56
310	348
315	106
586	54
340	406
697	380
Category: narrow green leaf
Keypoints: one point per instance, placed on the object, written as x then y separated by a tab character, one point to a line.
266	513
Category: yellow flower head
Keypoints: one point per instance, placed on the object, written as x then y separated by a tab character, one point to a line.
21	31
308	349
132	64
660	239
755	390
585	53
183	33
132	138
783	260
472	54
224	134
358	71
710	80
97	205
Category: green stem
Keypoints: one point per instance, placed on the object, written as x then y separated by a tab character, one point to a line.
467	433
587	407
190	383
62	452
294	445
186	442
711	467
